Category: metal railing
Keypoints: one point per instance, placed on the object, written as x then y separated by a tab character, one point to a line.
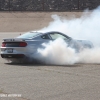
47	5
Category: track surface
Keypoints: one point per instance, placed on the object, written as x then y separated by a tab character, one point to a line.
39	82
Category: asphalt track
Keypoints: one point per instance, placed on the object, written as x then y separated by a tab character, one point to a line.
45	82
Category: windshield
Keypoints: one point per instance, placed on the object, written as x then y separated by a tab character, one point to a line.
29	35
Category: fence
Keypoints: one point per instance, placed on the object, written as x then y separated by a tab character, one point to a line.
47	5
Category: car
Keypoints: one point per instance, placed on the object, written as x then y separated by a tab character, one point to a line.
25	45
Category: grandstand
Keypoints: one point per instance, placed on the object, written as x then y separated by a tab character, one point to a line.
47	5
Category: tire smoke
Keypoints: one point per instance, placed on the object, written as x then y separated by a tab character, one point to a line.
86	27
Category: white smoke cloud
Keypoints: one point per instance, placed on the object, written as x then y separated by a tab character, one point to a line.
57	52
86	27
89	56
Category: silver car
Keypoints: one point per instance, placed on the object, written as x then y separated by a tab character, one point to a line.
22	47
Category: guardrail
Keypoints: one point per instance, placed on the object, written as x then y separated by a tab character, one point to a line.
47	5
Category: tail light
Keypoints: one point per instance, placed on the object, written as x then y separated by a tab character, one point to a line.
14	44
3	44
22	44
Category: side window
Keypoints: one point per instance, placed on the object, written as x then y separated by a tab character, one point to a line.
45	37
57	35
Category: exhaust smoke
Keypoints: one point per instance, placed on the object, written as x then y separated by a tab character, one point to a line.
86	27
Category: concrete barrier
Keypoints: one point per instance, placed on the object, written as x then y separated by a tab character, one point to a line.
27	21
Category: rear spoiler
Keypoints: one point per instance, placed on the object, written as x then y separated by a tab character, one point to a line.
13	40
